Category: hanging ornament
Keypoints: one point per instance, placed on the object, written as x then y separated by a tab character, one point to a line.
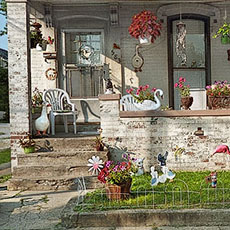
137	60
181	42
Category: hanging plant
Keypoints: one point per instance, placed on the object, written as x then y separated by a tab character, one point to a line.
145	24
224	33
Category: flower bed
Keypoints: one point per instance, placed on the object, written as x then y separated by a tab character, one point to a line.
188	190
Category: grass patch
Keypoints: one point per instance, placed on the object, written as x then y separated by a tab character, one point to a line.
5	178
187	190
5	156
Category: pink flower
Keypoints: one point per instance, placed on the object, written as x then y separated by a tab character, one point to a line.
181	79
127	90
153	89
141	87
138	91
188	86
176	85
180	86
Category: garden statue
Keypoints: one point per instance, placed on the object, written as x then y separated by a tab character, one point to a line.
221	149
42	123
109	87
212	178
162	159
154	174
139	164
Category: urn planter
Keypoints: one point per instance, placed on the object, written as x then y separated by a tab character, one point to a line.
218	102
186	102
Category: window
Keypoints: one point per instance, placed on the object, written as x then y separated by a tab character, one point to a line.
84	63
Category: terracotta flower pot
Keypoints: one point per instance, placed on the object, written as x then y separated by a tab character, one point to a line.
118	192
186	102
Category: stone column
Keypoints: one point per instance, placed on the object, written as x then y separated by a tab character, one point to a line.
19	73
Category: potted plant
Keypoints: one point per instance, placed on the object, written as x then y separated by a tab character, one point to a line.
224	32
147	98
28	144
36	100
145	25
118	177
99	143
184	90
218	95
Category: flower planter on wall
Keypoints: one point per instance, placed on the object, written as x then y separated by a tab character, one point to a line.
219	102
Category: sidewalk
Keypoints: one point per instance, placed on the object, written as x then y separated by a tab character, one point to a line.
32	210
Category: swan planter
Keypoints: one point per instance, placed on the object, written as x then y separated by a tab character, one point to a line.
149	104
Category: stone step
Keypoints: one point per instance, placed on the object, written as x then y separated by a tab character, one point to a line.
78	158
66	144
51	171
58	183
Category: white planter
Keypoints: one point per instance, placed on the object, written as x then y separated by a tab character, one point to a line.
145	40
146	105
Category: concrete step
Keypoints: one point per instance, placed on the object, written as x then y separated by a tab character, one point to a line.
27	172
4	143
138	218
78	158
55	183
67	143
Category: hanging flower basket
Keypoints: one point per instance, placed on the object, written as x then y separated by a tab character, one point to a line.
145	25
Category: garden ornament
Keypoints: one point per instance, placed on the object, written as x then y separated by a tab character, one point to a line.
162	159
221	149
139	164
42	123
169	174
213	179
95	164
154	174
109	87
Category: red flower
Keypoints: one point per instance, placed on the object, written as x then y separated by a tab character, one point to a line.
102	175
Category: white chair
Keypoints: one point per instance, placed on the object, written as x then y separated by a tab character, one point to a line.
127	102
60	105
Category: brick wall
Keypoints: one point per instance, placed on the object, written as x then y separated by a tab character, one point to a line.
19	75
149	136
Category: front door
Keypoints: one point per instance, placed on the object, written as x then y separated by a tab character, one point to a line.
196	69
83	70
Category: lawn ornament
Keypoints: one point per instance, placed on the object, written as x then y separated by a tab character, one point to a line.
212	178
221	149
178	151
162	178
154	174
139	163
42	123
169	174
162	159
95	164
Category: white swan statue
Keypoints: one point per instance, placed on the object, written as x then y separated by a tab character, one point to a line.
42	123
151	105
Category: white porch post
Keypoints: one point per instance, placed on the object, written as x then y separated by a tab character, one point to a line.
19	73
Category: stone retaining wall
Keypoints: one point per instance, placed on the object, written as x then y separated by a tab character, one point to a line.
149	133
